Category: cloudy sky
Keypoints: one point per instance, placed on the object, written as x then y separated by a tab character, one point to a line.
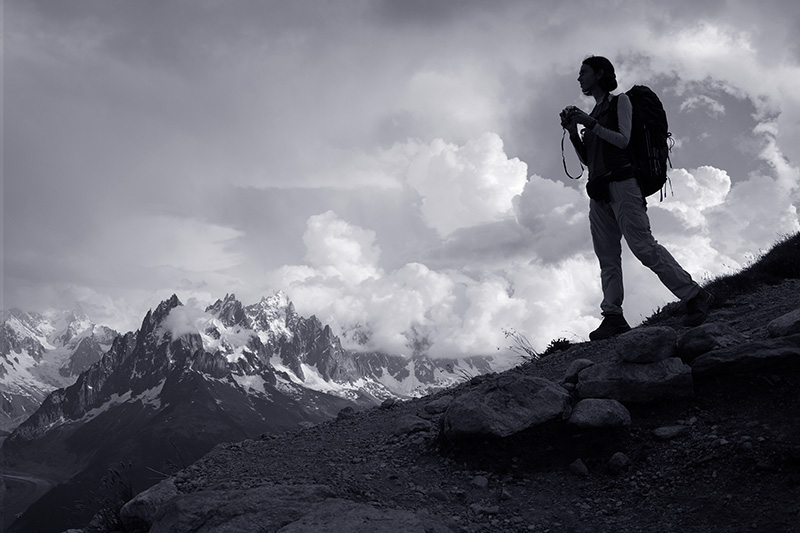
393	165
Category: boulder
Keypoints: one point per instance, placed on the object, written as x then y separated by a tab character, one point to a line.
646	345
346	413
439	405
265	508
596	413
618	463
407	424
504	406
388	403
638	383
575	367
757	356
788	324
707	337
579	468
344	515
141	511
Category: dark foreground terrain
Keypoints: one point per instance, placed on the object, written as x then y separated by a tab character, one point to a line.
731	462
735	467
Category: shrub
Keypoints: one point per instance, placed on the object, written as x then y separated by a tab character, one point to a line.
557	345
116	490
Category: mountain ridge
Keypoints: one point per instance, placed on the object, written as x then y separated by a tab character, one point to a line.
726	457
41	352
191	380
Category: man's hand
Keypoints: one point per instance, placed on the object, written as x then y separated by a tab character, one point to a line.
581	117
568	117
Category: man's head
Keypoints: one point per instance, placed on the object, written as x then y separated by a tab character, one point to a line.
600	71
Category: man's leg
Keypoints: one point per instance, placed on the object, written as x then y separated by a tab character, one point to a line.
631	213
607	241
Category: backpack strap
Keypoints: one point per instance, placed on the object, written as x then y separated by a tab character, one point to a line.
613	110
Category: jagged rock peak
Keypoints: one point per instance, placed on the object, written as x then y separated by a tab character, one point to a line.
153	319
229	310
166	306
273	310
277	300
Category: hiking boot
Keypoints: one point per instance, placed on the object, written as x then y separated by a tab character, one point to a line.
697	308
611	325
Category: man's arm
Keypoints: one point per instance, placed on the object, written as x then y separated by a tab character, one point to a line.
619	138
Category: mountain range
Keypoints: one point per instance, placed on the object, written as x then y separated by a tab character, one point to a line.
161	397
41	352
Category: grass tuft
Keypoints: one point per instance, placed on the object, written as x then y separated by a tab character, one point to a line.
780	263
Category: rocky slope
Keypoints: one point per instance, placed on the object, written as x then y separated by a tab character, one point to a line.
726	458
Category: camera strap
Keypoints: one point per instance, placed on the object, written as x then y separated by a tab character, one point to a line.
564	159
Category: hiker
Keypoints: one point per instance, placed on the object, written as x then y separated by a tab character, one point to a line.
617	207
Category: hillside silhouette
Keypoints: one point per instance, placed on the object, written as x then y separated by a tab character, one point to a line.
725	458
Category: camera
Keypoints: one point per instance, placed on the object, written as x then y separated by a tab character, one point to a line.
568	112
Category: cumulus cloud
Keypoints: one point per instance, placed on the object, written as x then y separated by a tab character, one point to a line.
444	312
711	106
339	249
555	215
698	190
186	319
464	186
403	219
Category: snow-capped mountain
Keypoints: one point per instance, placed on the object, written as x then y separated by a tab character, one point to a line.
309	354
43	352
188	380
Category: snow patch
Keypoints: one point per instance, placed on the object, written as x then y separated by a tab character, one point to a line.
150	397
250	382
113	401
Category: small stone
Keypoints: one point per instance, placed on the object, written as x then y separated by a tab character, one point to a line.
439	495
346	413
478	508
579	468
670	432
618	462
480	482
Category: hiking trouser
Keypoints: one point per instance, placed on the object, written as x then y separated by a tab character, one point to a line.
626	216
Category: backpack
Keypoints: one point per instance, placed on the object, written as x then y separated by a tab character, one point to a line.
650	141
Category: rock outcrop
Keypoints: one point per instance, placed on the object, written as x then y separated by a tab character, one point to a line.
504	406
758	356
707	337
788	324
646	369
714	350
637	383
